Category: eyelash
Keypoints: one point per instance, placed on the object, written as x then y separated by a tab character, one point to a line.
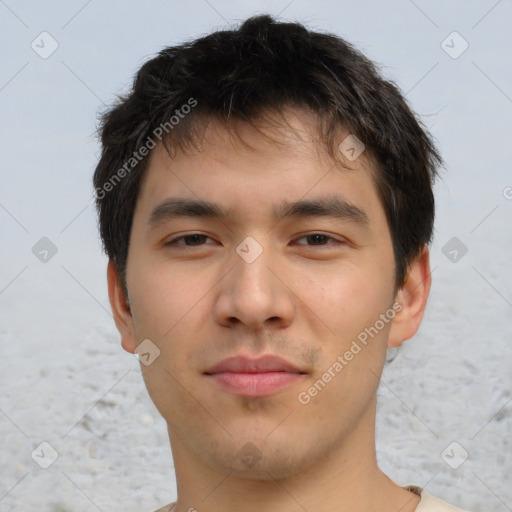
184	237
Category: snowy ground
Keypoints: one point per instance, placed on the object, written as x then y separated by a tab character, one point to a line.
65	379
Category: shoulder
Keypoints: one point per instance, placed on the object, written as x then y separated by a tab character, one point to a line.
431	503
167	508
428	503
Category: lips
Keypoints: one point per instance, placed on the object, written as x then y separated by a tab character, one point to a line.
263	376
264	364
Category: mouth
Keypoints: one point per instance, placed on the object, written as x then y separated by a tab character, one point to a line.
259	377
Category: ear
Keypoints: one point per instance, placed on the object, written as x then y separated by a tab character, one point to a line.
413	297
121	310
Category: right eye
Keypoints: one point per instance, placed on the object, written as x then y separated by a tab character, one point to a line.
192	240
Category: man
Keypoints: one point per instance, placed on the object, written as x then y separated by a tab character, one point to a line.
265	200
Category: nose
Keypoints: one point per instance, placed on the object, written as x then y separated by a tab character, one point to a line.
255	294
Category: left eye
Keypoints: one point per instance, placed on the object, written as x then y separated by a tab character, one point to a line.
318	239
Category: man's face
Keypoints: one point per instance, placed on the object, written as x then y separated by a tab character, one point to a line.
303	287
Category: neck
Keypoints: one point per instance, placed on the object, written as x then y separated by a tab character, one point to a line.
346	478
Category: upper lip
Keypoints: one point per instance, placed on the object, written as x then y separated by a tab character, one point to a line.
263	364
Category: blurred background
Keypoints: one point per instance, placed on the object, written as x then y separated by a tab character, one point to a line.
77	428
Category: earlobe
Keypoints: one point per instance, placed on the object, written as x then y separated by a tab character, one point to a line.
413	298
120	309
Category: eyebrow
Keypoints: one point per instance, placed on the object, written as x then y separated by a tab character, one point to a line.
333	206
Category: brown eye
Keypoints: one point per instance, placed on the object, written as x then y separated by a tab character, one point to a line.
192	240
319	239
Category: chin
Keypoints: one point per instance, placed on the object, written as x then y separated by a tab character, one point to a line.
259	458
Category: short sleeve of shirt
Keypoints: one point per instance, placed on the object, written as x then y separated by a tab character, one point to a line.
429	503
167	508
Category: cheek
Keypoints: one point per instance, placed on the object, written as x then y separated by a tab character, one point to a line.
354	350
161	297
347	299
166	308
172	308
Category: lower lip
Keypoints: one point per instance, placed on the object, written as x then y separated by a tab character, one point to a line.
255	384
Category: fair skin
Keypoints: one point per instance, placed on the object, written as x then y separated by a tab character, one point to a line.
305	298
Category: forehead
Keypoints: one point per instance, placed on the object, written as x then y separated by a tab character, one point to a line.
256	168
